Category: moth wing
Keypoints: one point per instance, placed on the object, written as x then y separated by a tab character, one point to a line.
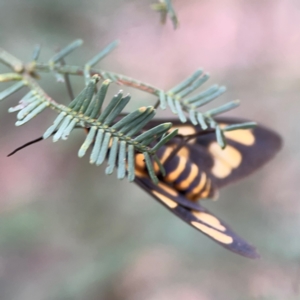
247	150
197	216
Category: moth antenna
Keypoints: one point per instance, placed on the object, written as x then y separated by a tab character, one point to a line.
25	145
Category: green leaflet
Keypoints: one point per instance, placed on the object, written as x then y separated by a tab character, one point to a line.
111	134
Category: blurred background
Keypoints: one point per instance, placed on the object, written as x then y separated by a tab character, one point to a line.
67	231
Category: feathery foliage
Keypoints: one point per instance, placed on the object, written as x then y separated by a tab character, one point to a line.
165	8
111	134
122	138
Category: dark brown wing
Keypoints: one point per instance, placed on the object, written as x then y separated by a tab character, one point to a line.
196	216
246	150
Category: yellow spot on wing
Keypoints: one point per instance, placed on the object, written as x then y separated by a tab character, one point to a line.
165	200
230	155
186	130
171	177
242	136
168	189
216	235
224	160
184	184
209	219
221	169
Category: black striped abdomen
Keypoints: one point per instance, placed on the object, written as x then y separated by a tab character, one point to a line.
181	173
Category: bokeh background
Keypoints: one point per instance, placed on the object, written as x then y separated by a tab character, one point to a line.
67	231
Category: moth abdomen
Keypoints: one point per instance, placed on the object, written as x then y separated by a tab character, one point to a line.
183	174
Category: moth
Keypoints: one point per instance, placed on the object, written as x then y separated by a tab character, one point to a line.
196	168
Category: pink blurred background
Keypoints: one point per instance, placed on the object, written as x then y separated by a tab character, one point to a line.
67	231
